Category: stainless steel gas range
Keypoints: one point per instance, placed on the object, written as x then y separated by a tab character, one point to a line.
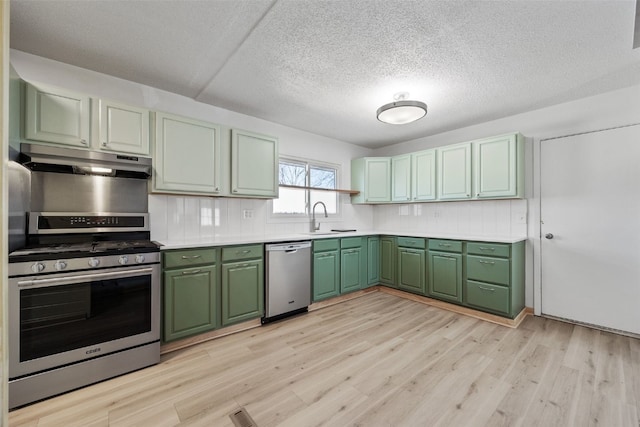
84	302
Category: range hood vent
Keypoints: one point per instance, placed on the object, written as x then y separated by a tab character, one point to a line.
47	158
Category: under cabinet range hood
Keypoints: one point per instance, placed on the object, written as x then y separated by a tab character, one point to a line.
47	158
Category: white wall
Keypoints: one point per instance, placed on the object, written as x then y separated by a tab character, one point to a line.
175	217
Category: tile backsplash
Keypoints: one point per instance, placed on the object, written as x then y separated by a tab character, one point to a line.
176	218
507	218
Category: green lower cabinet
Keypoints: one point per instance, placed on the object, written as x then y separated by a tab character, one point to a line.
326	275
242	291
190	301
488	297
373	261
388	261
351	270
445	278
411	270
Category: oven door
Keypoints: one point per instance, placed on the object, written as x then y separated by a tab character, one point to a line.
64	318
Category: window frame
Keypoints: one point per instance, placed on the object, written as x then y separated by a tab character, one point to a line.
302	217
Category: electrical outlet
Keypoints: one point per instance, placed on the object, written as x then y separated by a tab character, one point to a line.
247	213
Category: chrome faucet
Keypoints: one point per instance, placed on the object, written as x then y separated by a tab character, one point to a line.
315	227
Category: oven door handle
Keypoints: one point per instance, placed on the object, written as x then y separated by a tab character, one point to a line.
69	280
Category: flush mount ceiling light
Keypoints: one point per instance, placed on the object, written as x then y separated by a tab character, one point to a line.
401	111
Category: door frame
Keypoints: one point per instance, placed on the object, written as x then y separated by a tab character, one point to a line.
536	208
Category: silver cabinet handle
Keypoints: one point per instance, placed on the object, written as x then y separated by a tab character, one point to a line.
243	252
486	289
486	262
483	248
104	143
190	256
83	141
548	236
216	189
235	190
445	245
186	273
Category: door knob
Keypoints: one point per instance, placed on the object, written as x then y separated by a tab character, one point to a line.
549	236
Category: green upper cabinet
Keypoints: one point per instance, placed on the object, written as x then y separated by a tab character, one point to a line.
372	177
373	260
57	115
122	128
187	156
423	167
498	166
454	172
401	178
254	164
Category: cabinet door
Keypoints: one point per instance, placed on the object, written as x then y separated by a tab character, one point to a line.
187	156
401	178
388	261
495	166
373	261
56	115
326	275
411	270
123	128
445	276
350	271
254	164
242	291
424	175
190	301
377	180
454	172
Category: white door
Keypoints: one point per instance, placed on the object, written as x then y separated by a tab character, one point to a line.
590	213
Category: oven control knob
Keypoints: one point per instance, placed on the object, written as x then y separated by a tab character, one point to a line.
37	267
123	259
139	259
60	265
94	262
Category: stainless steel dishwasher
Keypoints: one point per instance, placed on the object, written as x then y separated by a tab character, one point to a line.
288	279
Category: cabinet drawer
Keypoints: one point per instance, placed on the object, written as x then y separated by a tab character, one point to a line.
487	296
241	252
445	245
411	242
490	249
190	257
325	245
488	269
351	242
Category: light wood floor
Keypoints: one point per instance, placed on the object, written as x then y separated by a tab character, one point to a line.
378	360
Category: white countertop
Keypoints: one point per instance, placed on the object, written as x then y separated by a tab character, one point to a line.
224	240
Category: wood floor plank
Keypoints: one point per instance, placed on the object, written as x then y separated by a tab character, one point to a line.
377	360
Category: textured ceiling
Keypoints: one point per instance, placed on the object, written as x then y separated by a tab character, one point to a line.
326	66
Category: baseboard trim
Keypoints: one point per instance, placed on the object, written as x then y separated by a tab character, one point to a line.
481	315
207	336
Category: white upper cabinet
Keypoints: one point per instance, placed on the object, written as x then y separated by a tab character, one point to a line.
423	166
57	115
454	172
401	178
122	128
187	156
372	177
496	168
254	164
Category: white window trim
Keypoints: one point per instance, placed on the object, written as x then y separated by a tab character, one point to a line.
301	218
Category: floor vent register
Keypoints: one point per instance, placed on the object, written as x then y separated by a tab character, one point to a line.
241	418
